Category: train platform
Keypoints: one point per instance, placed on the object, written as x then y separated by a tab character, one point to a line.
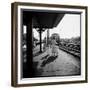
65	64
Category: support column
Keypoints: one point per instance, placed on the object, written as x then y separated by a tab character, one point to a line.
29	50
48	37
28	70
40	34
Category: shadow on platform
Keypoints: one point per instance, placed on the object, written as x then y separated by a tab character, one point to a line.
49	60
45	57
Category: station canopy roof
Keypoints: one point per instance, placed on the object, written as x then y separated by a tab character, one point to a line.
43	19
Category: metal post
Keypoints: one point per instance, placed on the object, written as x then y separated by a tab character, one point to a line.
40	33
48	37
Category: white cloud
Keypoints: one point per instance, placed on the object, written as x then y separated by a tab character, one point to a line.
68	27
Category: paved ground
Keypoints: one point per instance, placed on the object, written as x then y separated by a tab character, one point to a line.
64	64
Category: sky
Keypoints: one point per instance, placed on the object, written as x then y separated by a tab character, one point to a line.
68	27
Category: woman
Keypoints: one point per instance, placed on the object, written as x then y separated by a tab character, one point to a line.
54	48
